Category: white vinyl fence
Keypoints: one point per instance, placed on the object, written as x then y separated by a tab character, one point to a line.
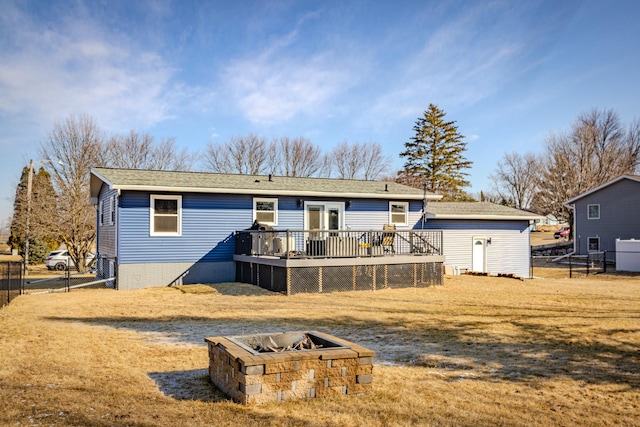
627	255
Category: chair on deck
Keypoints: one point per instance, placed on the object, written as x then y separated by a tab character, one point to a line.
387	238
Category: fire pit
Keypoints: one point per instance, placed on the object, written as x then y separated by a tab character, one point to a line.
288	365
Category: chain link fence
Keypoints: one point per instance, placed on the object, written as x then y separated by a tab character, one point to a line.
10	281
571	265
96	273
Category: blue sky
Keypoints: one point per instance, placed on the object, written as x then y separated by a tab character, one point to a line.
508	72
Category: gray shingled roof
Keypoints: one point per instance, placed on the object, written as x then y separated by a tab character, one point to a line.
147	180
600	187
475	210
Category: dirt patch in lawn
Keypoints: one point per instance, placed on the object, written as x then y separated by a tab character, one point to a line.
476	351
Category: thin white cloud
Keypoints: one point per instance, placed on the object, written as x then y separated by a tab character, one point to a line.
78	68
461	63
280	82
270	91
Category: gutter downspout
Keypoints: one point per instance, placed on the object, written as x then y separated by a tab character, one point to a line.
424	206
117	238
563	256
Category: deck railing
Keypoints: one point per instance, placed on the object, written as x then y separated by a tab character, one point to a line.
338	243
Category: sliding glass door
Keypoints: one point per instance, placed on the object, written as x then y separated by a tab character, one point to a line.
324	216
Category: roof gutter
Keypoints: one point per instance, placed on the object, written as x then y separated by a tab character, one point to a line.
252	191
485	217
572	206
255	191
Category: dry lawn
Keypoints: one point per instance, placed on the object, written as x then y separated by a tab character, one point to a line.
544	238
478	351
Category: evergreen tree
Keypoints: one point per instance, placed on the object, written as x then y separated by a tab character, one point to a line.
435	156
18	221
43	205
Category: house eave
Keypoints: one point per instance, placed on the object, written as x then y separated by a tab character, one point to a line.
274	192
484	217
95	183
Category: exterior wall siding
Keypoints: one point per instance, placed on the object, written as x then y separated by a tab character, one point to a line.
289	214
508	253
209	222
619	213
107	232
204	251
368	214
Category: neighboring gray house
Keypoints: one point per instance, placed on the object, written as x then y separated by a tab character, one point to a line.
608	212
549	220
483	236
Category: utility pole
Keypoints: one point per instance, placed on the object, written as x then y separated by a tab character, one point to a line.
26	225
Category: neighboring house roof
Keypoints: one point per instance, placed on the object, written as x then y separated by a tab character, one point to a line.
476	210
202	182
635	178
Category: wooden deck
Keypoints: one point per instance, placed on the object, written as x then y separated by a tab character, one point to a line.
343	260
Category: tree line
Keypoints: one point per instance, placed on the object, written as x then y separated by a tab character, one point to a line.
296	157
60	209
597	148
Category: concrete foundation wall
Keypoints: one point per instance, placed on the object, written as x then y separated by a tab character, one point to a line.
137	276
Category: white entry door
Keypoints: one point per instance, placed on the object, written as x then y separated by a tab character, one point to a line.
324	216
479	255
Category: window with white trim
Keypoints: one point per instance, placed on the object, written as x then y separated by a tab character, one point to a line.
101	213
112	210
265	211
165	215
593	211
398	213
593	244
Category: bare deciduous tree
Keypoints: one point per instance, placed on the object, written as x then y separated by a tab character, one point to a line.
130	151
514	180
633	140
359	160
240	154
295	157
345	160
166	156
74	147
375	163
139	151
595	151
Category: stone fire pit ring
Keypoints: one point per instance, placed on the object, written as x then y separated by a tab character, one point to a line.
282	366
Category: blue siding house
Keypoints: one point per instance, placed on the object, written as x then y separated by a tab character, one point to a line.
158	228
161	227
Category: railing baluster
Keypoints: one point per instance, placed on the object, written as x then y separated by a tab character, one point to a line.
338	243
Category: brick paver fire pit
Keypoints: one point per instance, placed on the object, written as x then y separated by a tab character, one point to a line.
288	365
